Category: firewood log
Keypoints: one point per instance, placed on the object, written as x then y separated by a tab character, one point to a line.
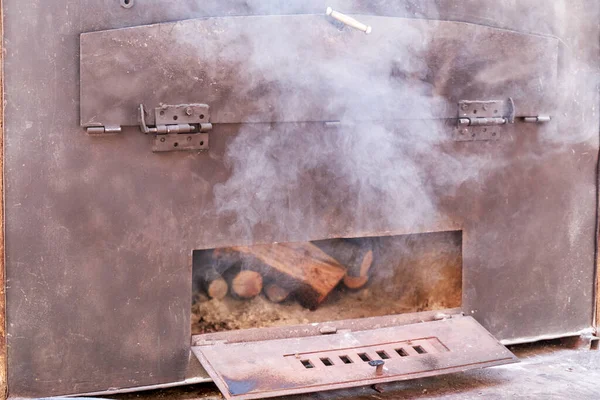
300	268
210	279
247	284
358	274
216	287
355	255
276	293
245	281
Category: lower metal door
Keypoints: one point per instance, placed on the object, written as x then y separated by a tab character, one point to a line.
269	368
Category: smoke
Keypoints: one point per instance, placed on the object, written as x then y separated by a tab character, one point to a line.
294	175
391	161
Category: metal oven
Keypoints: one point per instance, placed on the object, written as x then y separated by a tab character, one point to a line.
442	158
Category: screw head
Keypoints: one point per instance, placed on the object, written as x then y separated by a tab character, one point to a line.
484	107
162	139
189	111
464	131
465	106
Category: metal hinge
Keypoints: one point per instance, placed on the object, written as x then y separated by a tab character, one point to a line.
483	120
178	127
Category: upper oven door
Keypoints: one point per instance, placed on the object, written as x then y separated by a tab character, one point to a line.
312	68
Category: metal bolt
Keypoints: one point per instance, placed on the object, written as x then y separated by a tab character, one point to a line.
127	3
348	20
189	111
378	364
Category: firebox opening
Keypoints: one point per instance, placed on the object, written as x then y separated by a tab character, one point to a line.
300	283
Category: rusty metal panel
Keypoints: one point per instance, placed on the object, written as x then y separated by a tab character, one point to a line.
255	370
236	66
314	329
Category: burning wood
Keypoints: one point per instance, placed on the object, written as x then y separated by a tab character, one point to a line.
302	268
216	287
308	272
211	279
356	257
247	284
276	293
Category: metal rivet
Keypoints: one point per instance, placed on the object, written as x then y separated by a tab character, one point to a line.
127	3
162	139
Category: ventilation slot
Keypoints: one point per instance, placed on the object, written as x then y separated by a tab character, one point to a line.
327	362
346	359
391	353
402	352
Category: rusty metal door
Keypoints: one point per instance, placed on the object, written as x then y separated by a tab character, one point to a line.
270	368
313	71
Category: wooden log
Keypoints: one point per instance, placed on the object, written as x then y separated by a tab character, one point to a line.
301	268
224	259
247	284
357	275
216	287
276	293
206	269
355	255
